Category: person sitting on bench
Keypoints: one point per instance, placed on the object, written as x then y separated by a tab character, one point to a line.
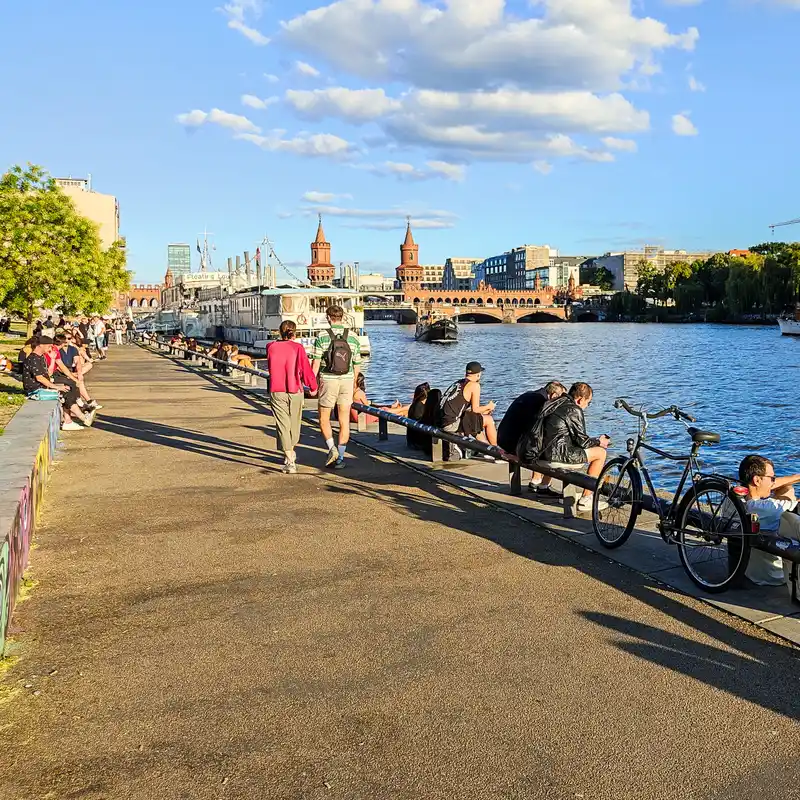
521	417
462	412
768	497
559	437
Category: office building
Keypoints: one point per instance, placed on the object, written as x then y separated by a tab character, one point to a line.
102	209
179	259
624	266
516	269
458	274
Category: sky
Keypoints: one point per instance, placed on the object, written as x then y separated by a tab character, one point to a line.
588	125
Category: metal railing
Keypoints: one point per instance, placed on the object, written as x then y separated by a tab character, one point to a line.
771	543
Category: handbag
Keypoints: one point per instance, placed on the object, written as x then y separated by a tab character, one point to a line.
45	394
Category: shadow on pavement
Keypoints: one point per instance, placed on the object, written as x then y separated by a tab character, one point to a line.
755	672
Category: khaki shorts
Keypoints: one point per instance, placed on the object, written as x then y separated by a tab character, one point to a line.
336	391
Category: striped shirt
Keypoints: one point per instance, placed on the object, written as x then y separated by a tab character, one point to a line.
323	342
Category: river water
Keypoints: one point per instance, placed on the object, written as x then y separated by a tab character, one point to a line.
741	382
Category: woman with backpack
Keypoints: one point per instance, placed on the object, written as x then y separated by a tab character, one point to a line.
289	370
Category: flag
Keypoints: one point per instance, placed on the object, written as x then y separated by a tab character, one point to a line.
198	247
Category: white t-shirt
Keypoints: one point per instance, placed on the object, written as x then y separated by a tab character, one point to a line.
765	569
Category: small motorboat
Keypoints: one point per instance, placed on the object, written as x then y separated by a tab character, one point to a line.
434	326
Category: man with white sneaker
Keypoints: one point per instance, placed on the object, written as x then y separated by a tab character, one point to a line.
561	438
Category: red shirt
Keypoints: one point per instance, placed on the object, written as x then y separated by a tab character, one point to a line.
289	367
52	357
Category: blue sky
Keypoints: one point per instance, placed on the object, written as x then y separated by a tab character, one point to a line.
588	125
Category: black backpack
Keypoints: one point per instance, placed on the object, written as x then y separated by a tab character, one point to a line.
338	355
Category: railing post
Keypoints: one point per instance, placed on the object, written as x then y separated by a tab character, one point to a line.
437	451
361	424
383	429
515	478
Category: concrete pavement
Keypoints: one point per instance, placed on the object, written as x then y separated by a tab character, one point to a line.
205	627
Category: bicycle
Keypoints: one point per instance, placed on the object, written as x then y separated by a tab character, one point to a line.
708	523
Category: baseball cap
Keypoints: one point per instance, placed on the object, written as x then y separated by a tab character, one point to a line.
45	340
474	368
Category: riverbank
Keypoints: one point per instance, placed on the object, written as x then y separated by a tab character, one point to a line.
207	627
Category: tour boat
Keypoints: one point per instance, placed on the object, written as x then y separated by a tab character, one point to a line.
790	325
433	326
251	318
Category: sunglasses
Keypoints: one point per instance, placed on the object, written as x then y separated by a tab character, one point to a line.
770	478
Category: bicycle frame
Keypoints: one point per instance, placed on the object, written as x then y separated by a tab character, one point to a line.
691	469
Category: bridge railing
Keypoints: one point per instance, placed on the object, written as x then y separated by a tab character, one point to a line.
768	542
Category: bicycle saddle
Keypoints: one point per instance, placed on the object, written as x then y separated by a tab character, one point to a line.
703	437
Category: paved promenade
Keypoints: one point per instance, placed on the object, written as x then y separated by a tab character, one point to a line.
205	627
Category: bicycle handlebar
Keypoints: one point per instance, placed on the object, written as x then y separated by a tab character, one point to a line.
673	411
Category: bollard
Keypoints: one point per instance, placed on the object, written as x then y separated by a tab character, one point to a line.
383	429
362	423
437	451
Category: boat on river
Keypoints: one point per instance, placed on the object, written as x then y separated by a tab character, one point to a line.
790	324
433	326
251	318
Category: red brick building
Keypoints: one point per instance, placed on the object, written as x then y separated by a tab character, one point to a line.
140	298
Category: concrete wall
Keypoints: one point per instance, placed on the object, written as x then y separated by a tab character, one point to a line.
100	208
27	448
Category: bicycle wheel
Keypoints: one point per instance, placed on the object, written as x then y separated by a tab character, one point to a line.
620	485
712	535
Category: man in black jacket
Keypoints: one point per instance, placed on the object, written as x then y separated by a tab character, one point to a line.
560	437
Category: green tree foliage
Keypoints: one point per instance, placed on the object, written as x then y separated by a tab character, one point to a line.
49	254
598	276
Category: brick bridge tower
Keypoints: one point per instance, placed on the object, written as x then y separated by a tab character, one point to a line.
320	270
409	273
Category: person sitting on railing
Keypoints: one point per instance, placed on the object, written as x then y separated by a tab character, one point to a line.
463	413
559	437
769	498
414	439
521	417
360	396
240	358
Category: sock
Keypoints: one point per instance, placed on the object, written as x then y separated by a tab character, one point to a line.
342	449
291	457
329	443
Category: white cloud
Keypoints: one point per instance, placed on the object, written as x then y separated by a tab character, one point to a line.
271	78
324	197
468	44
626	145
306	69
237	13
353	105
683	126
251	101
543	167
695	85
405	171
324	145
453	172
224	119
384	219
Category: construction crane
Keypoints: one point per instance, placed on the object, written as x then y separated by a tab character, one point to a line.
782	224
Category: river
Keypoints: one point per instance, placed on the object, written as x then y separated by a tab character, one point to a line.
741	382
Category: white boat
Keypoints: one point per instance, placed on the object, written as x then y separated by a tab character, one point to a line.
251	318
790	326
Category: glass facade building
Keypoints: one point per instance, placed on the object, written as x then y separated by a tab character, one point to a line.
179	259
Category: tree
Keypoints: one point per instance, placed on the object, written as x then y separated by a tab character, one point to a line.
647	280
49	254
601	277
769	248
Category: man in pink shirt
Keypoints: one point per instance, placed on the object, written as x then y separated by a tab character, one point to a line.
289	371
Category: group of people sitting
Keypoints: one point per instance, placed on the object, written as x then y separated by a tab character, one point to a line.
56	367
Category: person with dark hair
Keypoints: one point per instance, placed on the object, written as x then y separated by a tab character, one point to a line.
335	359
414	439
71	364
463	413
769	497
559	436
431	415
289	369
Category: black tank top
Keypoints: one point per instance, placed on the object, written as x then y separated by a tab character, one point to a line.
454	403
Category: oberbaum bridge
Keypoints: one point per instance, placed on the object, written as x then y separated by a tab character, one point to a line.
484	304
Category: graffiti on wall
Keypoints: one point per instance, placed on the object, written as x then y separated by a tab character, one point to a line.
15	547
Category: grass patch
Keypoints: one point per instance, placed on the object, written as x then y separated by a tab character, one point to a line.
11	395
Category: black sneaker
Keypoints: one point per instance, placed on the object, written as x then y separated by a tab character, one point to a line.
545	491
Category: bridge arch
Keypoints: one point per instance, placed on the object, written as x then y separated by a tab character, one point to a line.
478	316
539	317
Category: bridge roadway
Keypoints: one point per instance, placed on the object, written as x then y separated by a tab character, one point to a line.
205	627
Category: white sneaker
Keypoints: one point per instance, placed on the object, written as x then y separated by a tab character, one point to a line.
71	426
333	457
584	505
89	419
